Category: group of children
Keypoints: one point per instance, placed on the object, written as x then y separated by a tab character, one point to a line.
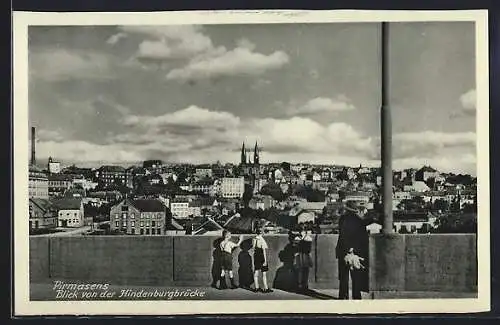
302	240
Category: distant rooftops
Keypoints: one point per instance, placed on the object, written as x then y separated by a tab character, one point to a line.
109	168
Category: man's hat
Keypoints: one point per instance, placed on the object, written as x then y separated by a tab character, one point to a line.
352	206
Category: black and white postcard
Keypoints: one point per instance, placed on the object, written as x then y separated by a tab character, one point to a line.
251	162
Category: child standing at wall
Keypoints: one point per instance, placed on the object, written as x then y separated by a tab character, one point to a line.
260	262
303	258
227	246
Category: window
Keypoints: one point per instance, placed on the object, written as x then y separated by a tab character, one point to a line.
124	223
117	224
153	231
158	231
153	223
132	223
132	216
124	216
147	223
117	216
142	223
132	231
142	231
124	208
147	216
142	216
147	231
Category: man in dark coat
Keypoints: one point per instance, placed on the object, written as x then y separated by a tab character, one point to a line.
353	243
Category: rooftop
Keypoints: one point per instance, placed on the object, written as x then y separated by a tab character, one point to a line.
67	203
145	205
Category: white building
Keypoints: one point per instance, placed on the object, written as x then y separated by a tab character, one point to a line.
232	187
85	183
416	186
54	167
38	184
69	212
180	208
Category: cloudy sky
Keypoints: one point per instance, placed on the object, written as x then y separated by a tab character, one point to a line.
305	92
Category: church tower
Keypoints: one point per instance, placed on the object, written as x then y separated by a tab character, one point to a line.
256	154
243	154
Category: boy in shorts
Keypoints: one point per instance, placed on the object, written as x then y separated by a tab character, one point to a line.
227	246
260	262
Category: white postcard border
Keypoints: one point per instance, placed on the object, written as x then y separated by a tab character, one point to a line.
21	21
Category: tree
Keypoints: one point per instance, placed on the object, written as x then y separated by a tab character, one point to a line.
247	195
273	190
285	165
440	205
455	205
310	194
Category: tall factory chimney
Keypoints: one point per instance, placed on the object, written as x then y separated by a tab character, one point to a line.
33	141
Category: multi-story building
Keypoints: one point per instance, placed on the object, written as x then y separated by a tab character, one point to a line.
218	171
59	183
86	184
362	197
204	186
38	183
232	187
70	212
54	167
426	172
180	208
139	217
42	214
203	171
154	166
109	175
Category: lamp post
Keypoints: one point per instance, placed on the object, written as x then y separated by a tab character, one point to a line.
386	134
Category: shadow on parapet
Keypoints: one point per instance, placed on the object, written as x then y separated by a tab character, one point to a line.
286	277
216	261
245	269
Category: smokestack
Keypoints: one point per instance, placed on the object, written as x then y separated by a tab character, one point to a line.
386	135
33	140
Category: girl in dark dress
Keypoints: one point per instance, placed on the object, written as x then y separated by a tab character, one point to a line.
303	258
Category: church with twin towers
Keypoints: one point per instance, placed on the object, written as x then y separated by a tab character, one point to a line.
249	168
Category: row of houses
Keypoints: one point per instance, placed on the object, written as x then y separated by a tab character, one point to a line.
64	212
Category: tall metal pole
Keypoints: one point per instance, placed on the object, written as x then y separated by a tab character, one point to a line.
386	135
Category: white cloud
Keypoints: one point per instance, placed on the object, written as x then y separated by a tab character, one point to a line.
197	134
205	60
113	39
239	61
191	116
322	105
170	42
48	135
468	101
62	64
431	143
84	151
457	163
